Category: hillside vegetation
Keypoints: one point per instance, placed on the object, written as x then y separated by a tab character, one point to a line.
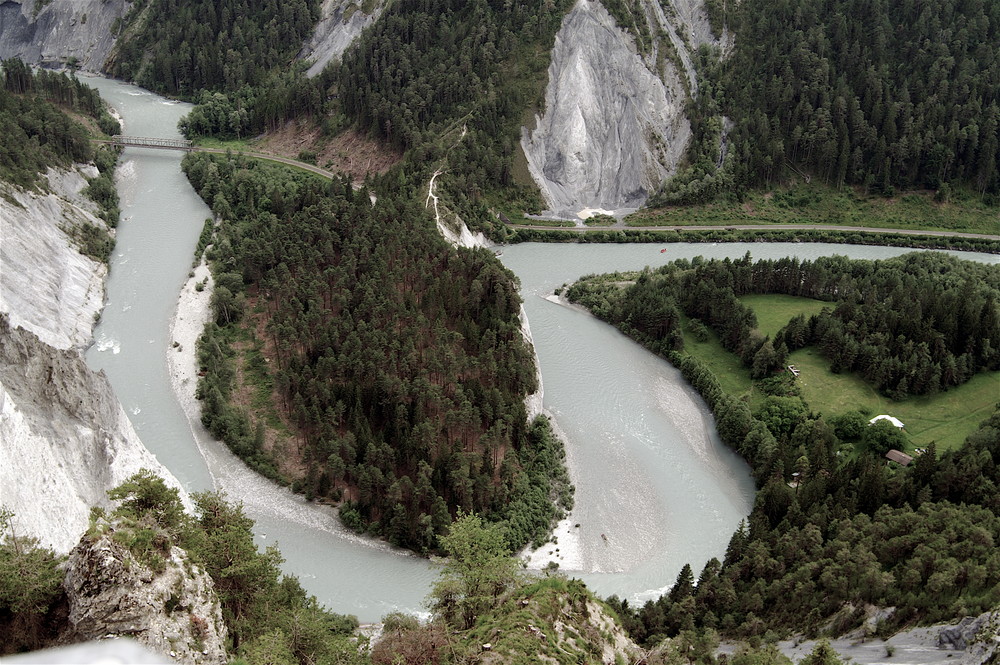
397	363
833	529
38	132
882	95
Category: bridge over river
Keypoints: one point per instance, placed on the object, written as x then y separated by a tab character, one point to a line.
188	146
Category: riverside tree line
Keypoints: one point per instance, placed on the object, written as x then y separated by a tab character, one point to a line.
828	533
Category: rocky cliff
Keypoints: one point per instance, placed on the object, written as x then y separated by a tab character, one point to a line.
341	21
46	285
55	32
614	125
66	439
170	607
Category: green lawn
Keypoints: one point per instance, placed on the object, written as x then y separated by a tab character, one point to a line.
732	375
775	310
946	418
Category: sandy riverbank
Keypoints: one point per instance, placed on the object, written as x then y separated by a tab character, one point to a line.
190	317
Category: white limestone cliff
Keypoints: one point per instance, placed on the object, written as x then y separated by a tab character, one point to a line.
612	129
46	285
614	125
340	23
64	440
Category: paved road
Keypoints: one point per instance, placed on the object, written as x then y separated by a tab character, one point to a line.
758	227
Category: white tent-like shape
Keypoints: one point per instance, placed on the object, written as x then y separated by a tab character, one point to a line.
894	421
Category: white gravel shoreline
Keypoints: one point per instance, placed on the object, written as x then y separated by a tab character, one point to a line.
190	316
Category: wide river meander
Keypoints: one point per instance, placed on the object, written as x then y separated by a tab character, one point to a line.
654	487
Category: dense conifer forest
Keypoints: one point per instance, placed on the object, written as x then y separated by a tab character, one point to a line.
396	360
183	47
830	533
884	95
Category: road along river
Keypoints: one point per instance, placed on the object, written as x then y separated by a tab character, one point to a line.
655	488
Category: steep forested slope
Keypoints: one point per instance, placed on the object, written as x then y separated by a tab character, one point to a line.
882	94
181	47
37	133
397	360
425	66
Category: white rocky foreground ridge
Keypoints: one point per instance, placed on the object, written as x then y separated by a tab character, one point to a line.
65	440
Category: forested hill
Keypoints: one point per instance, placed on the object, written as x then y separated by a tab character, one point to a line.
396	368
182	47
884	93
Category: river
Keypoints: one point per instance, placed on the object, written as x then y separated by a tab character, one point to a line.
655	488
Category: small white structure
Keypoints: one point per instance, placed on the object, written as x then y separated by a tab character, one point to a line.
894	421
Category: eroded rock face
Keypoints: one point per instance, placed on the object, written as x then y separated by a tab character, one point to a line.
46	285
340	24
612	128
64	440
174	612
61	30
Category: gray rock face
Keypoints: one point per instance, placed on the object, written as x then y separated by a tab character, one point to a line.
64	439
972	641
60	30
612	128
46	285
174	612
340	24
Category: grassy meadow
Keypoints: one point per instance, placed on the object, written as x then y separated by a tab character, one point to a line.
946	418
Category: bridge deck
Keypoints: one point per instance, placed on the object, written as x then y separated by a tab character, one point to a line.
147	142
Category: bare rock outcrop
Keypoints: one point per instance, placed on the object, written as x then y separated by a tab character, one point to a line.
46	285
52	33
340	23
173	611
613	126
64	439
978	637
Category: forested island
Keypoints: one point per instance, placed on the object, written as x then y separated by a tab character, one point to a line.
389	368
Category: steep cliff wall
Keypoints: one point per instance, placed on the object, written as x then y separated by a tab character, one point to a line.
46	285
60	30
340	24
614	124
65	439
612	128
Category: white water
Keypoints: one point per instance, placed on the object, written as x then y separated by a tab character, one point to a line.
650	473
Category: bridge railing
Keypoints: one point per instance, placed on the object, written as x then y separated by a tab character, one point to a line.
147	142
